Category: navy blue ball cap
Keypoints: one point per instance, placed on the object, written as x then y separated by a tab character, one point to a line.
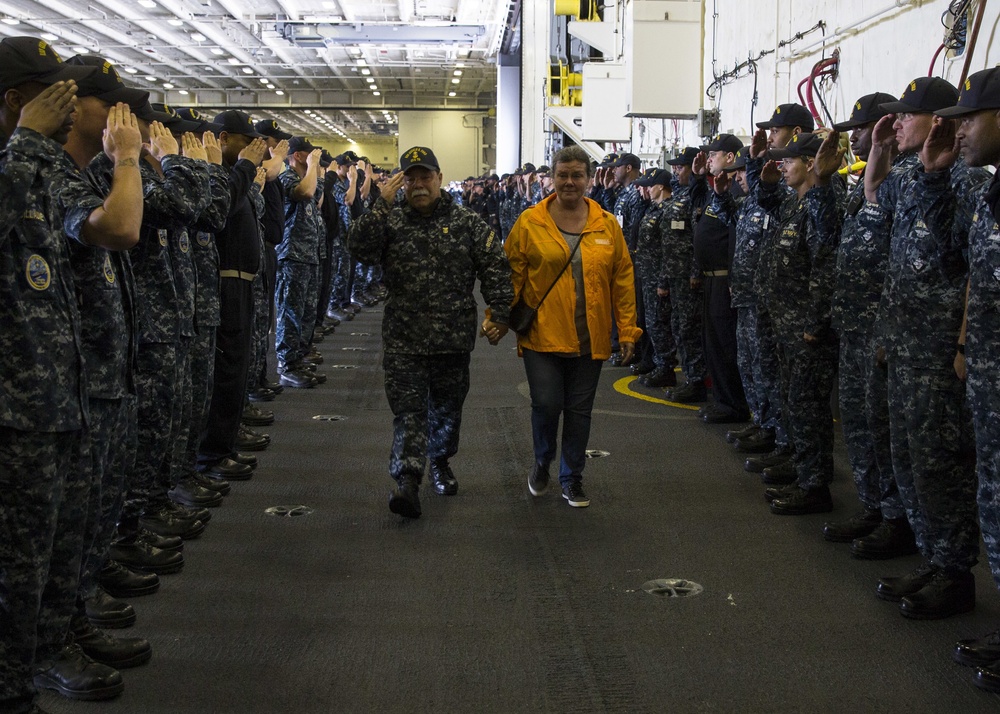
686	157
193	115
725	142
234	121
980	91
419	156
299	143
804	144
269	127
866	110
740	162
924	95
105	83
789	115
29	59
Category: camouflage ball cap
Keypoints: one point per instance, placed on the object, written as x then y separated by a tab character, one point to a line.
418	156
29	59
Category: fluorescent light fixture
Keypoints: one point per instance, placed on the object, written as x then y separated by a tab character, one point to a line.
10	21
80	49
370	80
309	111
354	50
131	70
455	81
460	64
270	86
361	61
168	85
182	91
147	3
150	78
373	87
264	80
279	92
49	37
377	94
366	71
248	70
458	73
233	60
176	22
218	51
451	94
197	37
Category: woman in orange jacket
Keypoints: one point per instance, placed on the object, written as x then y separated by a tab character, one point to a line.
570	243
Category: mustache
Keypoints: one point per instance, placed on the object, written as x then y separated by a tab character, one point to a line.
420	192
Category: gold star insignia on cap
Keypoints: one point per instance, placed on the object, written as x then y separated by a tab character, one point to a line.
968	84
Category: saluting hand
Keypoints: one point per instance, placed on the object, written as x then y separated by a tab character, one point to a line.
758	145
883	135
122	140
830	157
254	151
161	142
261	177
940	148
394	183
48	112
722	183
212	149
770	173
699	165
192	148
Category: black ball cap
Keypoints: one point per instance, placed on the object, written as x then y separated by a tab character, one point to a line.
174	121
234	121
419	156
867	109
29	59
804	144
725	142
923	95
628	160
740	162
299	143
193	115
608	160
654	177
685	158
980	91
348	157
269	127
789	115
105	83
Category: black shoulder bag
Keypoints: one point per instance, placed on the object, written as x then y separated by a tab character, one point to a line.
522	315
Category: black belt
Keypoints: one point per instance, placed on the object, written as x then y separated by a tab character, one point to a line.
715	273
237	274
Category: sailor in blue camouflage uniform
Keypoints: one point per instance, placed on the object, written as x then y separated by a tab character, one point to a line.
976	352
432	252
648	261
753	226
175	191
880	530
629	208
97	217
800	268
298	262
918	324
605	189
345	192
189	487
43	413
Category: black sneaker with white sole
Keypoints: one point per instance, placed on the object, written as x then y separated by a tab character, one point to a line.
538	479
575	495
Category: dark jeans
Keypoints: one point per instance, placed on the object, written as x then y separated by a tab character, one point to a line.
561	386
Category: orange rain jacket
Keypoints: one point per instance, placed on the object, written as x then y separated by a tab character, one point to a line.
537	252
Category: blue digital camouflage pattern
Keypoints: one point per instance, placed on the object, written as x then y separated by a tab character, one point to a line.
426	394
984	371
41	347
303	228
295	315
206	253
430	266
170	203
105	289
648	259
629	209
920	313
800	266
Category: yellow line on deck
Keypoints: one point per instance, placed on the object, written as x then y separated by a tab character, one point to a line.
622	387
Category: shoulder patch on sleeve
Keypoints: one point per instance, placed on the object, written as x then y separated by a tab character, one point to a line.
489	240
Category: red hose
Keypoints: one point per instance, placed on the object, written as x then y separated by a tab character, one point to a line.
930	70
810	87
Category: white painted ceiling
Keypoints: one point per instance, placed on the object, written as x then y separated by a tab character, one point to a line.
352	63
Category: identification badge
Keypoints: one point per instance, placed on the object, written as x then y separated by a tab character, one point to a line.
602	241
163	237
